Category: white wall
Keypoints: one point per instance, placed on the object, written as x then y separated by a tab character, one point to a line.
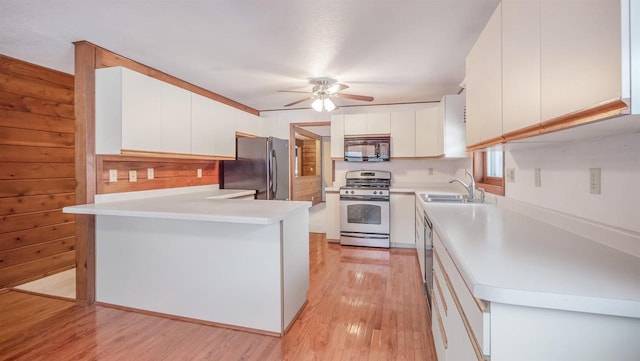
565	178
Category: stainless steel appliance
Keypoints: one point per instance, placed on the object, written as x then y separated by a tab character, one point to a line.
367	149
364	209
428	258
261	164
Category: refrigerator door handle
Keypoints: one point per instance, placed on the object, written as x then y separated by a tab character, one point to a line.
274	173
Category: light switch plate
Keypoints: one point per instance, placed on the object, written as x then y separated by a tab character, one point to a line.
511	175
199	172
150	174
133	175
594	180
537	180
113	175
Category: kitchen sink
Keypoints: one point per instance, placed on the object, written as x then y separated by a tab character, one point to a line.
442	197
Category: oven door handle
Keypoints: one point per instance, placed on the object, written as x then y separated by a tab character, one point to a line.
365	198
369	236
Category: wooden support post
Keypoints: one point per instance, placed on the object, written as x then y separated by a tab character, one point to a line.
85	64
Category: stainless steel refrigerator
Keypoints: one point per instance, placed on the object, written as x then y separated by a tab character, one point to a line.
261	164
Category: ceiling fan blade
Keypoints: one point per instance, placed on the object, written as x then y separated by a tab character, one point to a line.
332	89
355	97
292	91
296	102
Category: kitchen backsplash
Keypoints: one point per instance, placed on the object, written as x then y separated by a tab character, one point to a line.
565	178
410	171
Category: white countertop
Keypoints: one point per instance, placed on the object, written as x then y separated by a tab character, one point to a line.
198	206
507	257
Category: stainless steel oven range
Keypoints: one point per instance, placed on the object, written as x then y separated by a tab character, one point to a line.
364	209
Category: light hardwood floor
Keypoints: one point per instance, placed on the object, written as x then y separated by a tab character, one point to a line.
364	304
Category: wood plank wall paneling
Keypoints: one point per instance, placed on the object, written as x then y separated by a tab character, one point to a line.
168	173
308	189
37	175
309	158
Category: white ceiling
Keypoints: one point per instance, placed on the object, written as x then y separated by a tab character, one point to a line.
398	51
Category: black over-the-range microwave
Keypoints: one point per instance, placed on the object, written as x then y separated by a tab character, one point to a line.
367	148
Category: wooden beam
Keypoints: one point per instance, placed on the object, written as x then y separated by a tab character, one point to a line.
85	64
106	58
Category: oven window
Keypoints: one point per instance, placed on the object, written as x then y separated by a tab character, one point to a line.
364	214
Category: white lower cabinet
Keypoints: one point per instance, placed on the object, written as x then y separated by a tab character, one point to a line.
402	220
419	228
462	318
465	328
333	216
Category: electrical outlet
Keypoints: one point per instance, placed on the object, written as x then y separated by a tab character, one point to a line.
133	175
511	175
150	174
594	180
199	172
113	175
430	171
537	180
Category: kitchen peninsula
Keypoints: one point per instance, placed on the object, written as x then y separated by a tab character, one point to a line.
197	255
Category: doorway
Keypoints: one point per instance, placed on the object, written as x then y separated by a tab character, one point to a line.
311	169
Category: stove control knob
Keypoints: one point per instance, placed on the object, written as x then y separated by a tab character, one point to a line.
351	192
375	192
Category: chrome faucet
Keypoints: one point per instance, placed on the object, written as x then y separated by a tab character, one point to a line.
471	188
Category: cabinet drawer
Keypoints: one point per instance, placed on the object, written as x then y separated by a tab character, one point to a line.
437	325
473	311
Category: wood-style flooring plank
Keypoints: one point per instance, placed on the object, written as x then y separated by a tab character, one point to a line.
363	304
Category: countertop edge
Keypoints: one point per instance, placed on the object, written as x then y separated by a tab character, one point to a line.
541	299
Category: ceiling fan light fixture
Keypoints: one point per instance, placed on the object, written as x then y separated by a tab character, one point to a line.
329	105
317	105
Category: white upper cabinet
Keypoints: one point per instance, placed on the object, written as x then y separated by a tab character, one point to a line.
364	124
176	119
225	131
484	83
378	123
403	134
203	125
429	133
337	136
580	56
213	127
355	124
128	111
247	123
137	114
557	58
451	115
520	64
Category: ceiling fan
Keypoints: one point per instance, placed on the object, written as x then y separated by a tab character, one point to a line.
323	93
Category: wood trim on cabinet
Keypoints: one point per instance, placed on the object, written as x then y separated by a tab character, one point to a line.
131	152
601	111
440	323
84	100
444	302
106	58
246	135
486	144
